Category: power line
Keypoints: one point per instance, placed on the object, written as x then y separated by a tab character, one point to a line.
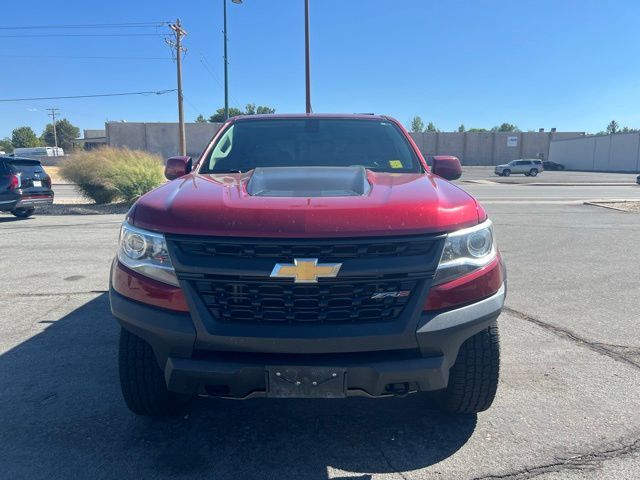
158	92
85	57
88	25
84	35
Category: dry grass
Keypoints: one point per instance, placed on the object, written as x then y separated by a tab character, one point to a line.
113	174
54	173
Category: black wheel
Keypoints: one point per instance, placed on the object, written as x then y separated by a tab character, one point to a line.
142	381
533	172
23	212
506	172
473	379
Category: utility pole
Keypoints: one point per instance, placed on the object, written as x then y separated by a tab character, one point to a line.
307	55
53	121
177	44
226	63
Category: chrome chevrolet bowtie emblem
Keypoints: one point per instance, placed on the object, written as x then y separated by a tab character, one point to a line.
306	270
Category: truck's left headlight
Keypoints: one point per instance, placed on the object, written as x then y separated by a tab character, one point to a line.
146	253
465	251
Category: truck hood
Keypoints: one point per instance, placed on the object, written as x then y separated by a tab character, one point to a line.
219	205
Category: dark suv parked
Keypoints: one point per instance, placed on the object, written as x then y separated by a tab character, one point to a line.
23	185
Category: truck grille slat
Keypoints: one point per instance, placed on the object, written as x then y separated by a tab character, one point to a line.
260	301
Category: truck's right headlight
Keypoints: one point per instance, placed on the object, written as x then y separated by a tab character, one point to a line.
146	253
465	251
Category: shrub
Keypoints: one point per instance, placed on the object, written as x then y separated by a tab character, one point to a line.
108	174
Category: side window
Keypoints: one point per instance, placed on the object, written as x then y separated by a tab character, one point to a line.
221	151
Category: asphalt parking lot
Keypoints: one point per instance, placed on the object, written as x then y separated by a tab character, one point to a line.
567	406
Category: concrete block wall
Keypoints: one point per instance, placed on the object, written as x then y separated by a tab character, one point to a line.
488	148
611	153
160	138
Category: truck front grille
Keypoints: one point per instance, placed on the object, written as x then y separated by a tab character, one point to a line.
256	301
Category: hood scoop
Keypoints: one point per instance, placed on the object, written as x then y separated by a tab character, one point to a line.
309	182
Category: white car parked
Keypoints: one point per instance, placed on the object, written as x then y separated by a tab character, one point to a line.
530	167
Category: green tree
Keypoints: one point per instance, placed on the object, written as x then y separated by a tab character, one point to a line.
629	130
6	145
431	127
613	127
461	128
250	109
506	127
65	131
200	119
477	130
24	137
219	115
417	125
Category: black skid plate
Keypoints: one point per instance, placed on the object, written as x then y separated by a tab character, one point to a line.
306	382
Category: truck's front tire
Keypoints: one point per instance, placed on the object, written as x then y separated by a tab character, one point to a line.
142	381
473	379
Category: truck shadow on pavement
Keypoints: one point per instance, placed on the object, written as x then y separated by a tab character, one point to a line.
62	415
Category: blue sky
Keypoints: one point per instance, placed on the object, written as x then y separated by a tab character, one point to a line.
566	64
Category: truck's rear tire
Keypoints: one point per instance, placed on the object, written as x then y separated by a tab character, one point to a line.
473	379
142	381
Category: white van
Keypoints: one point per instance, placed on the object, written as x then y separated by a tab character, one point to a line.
38	152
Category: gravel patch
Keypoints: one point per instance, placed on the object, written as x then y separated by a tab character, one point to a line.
631	206
83	209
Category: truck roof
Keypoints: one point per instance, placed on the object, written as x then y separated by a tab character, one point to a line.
360	116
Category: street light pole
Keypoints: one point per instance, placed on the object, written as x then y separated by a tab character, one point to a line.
226	60
307	55
226	74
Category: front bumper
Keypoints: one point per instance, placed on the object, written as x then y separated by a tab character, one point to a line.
172	335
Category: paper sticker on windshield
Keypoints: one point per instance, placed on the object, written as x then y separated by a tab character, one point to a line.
395	164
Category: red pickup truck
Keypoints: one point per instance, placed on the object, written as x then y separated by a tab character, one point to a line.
308	256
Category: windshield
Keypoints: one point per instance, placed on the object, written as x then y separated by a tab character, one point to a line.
376	145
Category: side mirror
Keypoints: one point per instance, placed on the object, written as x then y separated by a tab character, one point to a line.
446	167
177	167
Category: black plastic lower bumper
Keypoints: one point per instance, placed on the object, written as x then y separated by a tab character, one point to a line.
242	375
26	202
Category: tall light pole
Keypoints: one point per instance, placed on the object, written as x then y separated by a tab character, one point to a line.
226	61
307	60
